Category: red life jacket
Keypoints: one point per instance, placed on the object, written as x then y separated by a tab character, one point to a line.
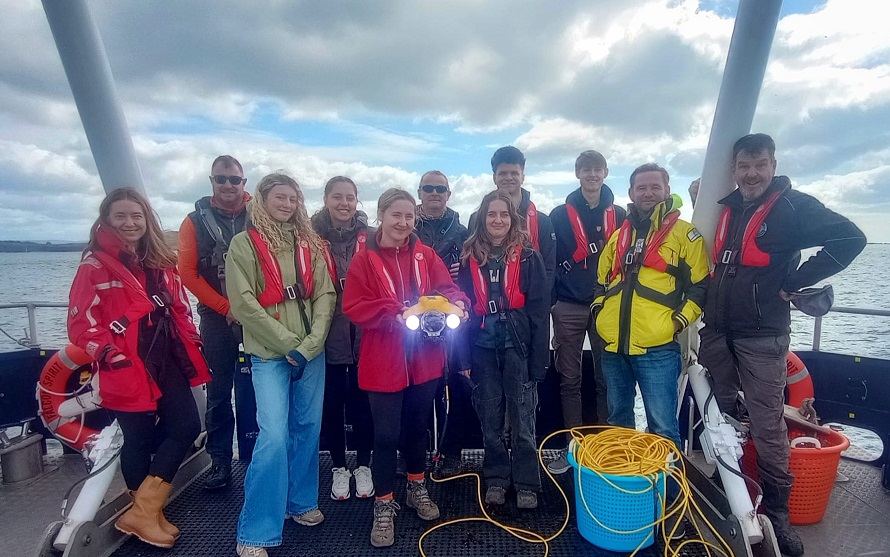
750	254
652	258
512	294
360	242
421	276
274	290
584	248
531	219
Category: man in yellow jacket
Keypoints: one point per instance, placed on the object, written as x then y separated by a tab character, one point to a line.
655	273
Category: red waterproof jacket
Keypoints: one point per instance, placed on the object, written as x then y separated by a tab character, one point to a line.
107	295
384	363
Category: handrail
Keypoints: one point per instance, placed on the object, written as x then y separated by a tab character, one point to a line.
817	327
32	341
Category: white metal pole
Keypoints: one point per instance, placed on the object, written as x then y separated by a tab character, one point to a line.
752	38
89	75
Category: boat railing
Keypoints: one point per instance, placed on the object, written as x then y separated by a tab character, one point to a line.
32	340
817	326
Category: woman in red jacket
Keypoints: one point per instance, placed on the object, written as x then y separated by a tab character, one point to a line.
399	372
129	311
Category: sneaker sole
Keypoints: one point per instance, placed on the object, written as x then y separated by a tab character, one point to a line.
558	471
339	497
365	495
215	487
303	523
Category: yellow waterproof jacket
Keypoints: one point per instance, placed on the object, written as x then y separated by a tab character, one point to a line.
653	288
272	332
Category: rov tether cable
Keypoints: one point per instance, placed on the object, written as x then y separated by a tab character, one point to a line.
616	451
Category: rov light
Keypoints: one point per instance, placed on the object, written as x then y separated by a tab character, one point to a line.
412	322
453	321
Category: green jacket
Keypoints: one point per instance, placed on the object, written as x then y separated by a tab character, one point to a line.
266	336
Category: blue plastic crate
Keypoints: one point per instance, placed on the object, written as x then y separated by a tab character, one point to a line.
631	514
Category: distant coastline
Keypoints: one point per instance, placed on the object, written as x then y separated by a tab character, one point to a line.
10	246
15	246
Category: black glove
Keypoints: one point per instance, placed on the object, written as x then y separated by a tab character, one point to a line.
297	368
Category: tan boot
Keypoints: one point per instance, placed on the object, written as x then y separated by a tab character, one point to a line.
166	525
142	520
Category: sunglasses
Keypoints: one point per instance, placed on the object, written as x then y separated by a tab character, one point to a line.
430	189
234	180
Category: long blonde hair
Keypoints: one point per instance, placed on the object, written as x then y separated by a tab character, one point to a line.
157	254
268	227
479	244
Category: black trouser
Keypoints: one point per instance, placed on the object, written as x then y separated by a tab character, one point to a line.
221	351
342	399
505	394
460	415
168	432
409	408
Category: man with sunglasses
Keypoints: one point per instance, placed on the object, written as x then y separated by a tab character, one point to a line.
438	226
203	243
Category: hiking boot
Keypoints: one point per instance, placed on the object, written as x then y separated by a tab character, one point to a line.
419	500
340	484
526	499
383	532
310	518
495	495
364	482
450	466
250	551
560	464
219	476
775	507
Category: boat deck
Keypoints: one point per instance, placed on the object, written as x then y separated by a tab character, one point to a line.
857	522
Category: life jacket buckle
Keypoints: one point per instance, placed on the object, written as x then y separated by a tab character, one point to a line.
629	258
290	292
492	307
566	265
727	256
117	327
159	303
593	247
342	282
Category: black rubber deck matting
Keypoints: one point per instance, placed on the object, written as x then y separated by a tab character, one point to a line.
208	522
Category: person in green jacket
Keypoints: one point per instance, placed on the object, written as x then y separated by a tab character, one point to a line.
281	293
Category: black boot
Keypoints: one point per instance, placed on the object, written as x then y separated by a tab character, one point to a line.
219	475
775	507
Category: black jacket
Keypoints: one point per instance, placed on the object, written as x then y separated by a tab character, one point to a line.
743	301
343	340
214	244
445	235
578	285
546	237
529	326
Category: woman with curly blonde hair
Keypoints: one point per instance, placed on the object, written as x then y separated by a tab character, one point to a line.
280	291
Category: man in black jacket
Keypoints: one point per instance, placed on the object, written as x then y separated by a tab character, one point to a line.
439	227
744	344
582	225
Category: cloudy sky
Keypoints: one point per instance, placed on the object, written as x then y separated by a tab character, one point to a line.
384	90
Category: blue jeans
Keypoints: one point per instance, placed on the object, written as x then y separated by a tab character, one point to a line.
657	373
282	479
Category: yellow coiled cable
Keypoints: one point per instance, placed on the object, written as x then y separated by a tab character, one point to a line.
614	451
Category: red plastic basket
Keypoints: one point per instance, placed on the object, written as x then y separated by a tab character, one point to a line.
814	469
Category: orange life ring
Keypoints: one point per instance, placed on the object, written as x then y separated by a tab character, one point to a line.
51	393
800	384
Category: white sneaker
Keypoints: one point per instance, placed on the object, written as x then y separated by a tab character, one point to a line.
340	484
364	483
250	551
